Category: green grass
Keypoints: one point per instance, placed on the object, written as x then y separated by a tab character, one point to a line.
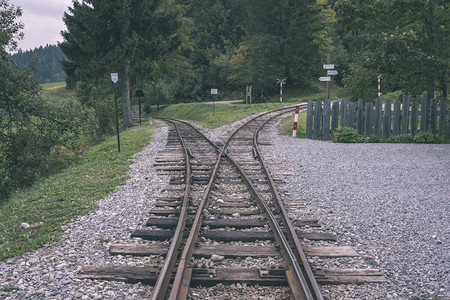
286	125
53	85
202	113
57	92
57	200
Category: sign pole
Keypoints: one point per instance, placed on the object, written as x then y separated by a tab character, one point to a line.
140	122
115	79
281	81
328	83
379	85
213	94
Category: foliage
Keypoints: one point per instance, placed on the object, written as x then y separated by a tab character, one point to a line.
346	135
9	288
47	60
57	200
370	139
31	129
425	137
102	36
405	40
403	138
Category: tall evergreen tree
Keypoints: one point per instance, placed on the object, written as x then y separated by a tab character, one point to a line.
283	40
107	35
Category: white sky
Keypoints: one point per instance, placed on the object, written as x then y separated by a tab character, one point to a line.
42	21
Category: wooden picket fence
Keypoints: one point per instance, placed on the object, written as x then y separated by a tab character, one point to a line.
382	119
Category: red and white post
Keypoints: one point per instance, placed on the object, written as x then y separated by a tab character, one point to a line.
294	132
281	81
379	85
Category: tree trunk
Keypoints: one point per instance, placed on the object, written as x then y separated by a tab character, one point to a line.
444	84
126	102
431	50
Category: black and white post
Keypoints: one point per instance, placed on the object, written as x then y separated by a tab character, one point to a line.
115	79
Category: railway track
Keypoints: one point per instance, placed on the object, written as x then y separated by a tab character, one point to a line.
221	210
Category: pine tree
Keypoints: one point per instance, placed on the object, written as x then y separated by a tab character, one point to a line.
107	35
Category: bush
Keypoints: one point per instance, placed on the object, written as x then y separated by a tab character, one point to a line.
425	137
346	135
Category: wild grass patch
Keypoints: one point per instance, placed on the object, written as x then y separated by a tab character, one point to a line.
60	198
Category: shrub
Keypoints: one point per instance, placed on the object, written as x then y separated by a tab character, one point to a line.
346	135
425	137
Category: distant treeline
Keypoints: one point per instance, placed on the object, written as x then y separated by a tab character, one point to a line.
47	61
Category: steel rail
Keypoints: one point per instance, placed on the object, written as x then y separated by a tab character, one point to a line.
183	275
292	236
165	275
297	282
181	282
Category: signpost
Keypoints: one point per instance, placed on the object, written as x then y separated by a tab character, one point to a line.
330	72
281	82
379	85
213	95
115	79
139	94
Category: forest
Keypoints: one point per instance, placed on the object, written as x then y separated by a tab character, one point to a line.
46	61
177	50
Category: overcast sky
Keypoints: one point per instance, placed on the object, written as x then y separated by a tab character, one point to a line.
42	21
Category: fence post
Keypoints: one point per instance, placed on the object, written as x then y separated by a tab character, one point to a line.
309	120
317	119
360	117
387	119
335	117
433	115
396	119
343	112
414	117
424	113
405	114
368	118
442	116
378	113
351	114
326	119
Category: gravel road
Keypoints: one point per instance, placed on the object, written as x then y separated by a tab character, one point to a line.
390	202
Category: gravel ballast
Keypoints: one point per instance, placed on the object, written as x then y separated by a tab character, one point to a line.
388	201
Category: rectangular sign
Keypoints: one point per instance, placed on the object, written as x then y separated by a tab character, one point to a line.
325	78
332	72
114	77
328	67
213	91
